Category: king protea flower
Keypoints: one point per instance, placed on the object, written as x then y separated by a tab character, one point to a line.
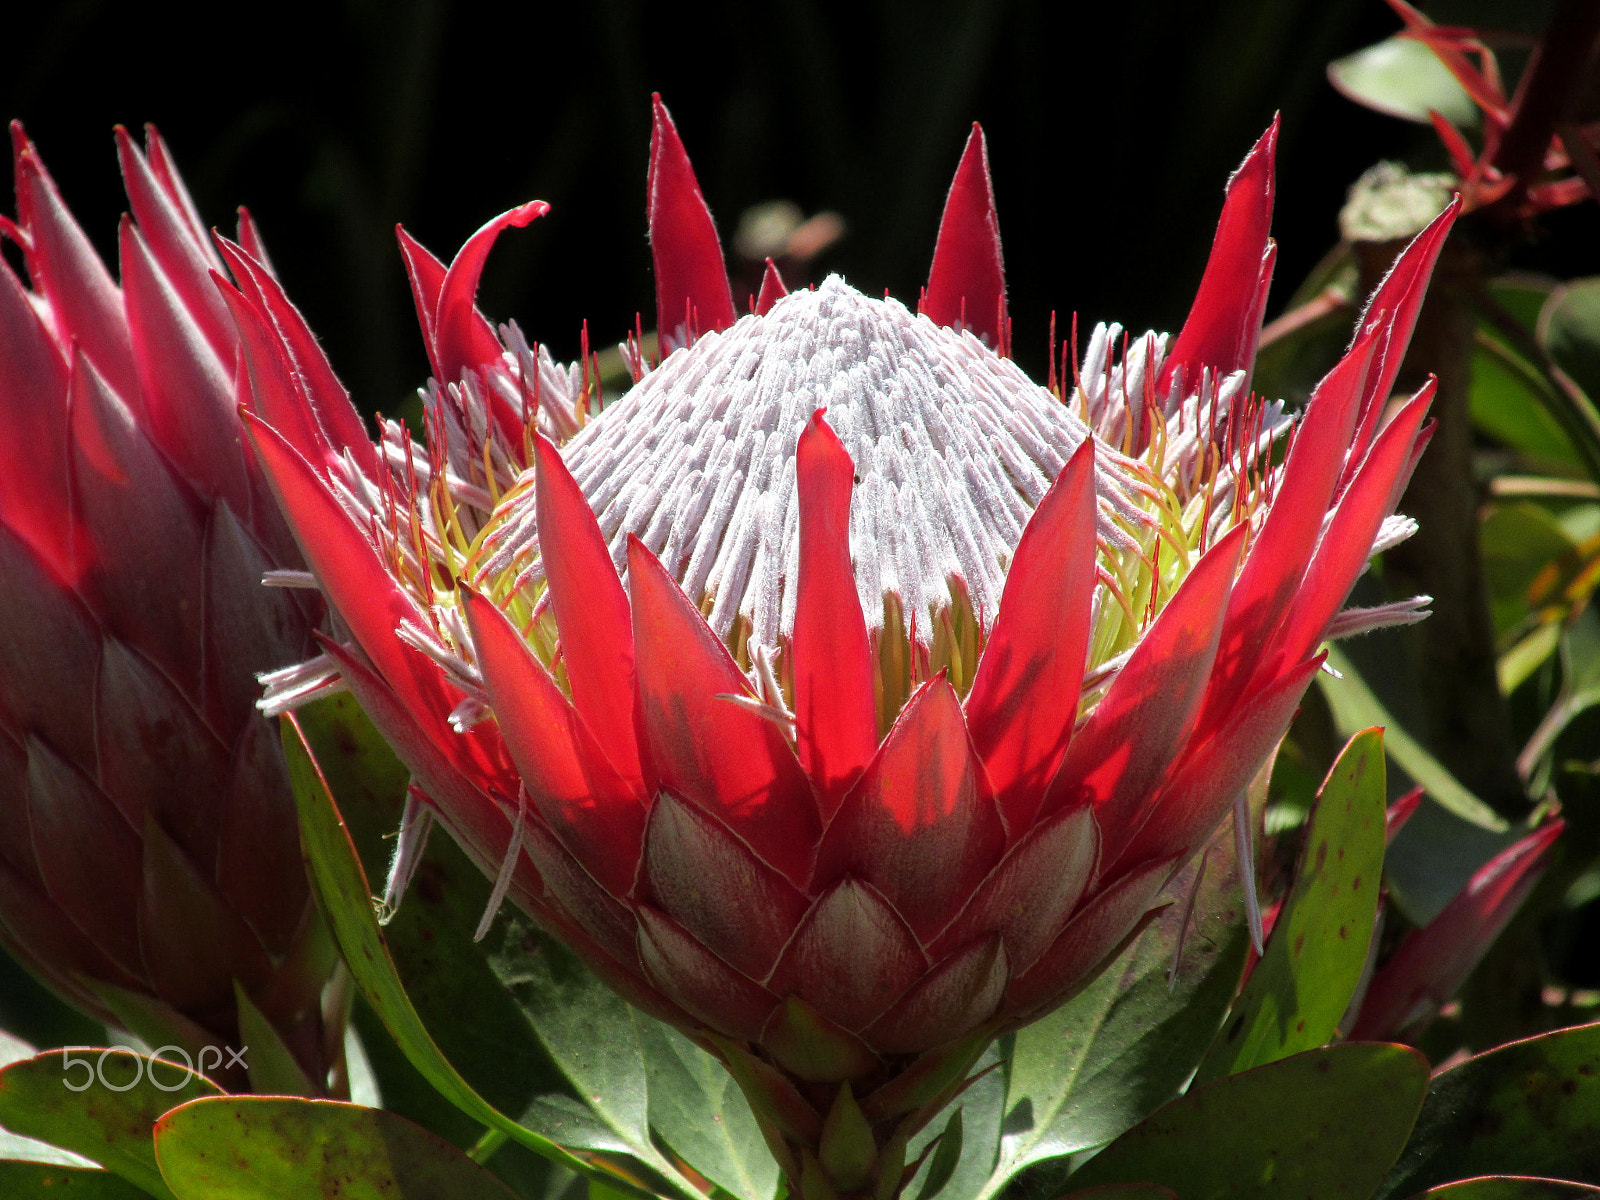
839	694
149	857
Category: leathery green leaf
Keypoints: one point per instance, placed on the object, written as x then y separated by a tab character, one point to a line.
267	1147
100	1103
1527	1107
1326	1123
1355	708
51	1181
1318	948
700	1112
346	899
1124	1045
1510	1187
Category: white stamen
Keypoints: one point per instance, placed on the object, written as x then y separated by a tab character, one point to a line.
288	579
508	868
416	822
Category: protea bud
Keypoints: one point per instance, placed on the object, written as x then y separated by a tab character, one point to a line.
149	861
853	697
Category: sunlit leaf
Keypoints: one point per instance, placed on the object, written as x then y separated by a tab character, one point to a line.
1528	1108
268	1147
1403	78
1326	1123
1318	949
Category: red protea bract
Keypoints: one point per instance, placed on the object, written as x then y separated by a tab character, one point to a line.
149	858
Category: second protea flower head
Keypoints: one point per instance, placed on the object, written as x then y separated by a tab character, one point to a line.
843	696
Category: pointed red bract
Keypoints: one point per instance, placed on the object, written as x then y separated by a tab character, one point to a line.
591	611
1400	295
967	282
921	826
836	725
462	339
426	274
1131	739
772	289
1225	321
597	816
1024	697
709	750
345	561
692	292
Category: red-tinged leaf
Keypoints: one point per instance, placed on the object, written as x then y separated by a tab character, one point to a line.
731	762
426	274
954	998
42	938
591	611
137	535
692	292
597	816
185	256
852	956
1214	772
186	389
1225	320
1401	811
347	566
772	289
86	850
1433	962
836	726
1106	924
462	339
921	826
1119	758
1030	896
1024	697
700	982
329	403
1346	544
85	301
1400	296
33	454
967	282
1456	145
708	881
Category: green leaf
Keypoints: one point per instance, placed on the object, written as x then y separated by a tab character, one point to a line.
546	1041
1318	949
1519	542
1126	1043
700	1112
346	900
981	1107
945	1157
100	1104
272	1066
1355	707
1510	1187
1513	403
50	1181
1326	1123
1124	1191
1569	330
269	1147
1525	1108
1400	76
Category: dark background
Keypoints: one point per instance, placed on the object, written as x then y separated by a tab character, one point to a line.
1111	133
